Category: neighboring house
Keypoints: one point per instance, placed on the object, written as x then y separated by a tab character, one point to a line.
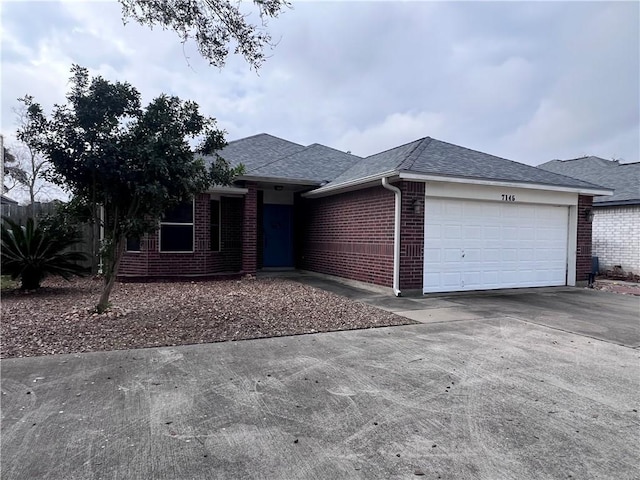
616	220
428	216
7	201
6	205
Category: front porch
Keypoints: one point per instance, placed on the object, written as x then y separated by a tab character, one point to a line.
226	232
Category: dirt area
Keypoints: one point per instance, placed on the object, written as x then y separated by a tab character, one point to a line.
58	318
617	286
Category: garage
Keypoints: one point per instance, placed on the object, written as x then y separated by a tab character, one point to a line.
473	244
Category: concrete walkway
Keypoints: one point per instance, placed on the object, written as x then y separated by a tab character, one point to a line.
491	397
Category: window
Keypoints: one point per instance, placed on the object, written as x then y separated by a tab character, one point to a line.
215	225
133	244
176	229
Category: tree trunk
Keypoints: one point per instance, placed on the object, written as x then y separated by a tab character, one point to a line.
111	271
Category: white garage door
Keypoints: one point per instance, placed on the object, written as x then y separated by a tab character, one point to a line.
479	245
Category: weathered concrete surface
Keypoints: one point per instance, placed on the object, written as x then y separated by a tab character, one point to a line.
602	315
490	398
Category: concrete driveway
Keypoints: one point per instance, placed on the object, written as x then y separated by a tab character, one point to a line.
503	389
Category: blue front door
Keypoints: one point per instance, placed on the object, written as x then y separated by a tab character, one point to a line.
278	235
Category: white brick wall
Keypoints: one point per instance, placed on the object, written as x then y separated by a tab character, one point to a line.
616	237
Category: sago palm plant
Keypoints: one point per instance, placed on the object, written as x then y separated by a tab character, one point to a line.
31	253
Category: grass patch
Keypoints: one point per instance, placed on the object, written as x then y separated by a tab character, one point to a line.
7	284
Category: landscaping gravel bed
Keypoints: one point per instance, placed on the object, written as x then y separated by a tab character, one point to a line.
58	318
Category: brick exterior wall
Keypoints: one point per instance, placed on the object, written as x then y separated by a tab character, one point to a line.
250	230
349	235
616	237
411	236
150	262
583	243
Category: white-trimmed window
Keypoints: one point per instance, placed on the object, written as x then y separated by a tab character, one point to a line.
176	229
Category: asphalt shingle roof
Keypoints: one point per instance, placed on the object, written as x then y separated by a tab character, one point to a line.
316	163
623	178
255	151
266	156
435	157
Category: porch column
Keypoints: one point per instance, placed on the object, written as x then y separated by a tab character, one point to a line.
250	230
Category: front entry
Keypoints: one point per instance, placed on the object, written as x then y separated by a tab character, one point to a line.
278	235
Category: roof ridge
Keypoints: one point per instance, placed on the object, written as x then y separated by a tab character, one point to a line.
263	134
334	149
506	159
414	154
585	157
302	150
281	158
394	148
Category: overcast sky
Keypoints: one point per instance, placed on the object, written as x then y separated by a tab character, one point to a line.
526	81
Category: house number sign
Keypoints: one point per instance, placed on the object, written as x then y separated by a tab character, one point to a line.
508	198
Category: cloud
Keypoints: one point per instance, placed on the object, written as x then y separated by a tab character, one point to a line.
394	130
527	81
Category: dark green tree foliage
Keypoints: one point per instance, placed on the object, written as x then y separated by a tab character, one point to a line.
31	253
135	162
67	220
213	24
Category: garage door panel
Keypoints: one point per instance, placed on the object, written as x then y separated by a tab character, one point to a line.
474	231
451	279
493	245
452	232
432	255
510	233
434	231
492	254
452	255
452	210
526	234
490	277
491	232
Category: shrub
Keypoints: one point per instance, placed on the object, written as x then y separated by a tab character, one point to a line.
31	253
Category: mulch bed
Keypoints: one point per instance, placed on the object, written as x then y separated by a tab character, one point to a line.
58	318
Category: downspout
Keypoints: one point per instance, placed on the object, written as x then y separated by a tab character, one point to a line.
396	236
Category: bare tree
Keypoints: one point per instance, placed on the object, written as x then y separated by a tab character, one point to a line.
34	166
12	173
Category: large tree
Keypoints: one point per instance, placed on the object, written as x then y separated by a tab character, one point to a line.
133	162
213	24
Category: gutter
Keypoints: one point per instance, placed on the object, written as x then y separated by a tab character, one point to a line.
504	183
283	181
324	191
396	236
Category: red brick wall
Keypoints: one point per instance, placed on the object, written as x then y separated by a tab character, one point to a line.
411	236
150	262
349	235
250	230
583	244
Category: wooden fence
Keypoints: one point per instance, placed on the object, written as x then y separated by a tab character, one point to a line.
90	243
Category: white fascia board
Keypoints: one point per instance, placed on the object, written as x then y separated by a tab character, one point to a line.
350	185
498	183
282	181
227	190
